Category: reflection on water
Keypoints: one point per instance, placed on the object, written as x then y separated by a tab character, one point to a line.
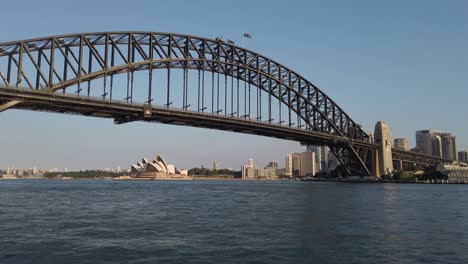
231	222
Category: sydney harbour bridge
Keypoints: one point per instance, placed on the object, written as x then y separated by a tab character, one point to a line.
183	80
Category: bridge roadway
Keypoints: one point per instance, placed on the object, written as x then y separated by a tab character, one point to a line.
123	112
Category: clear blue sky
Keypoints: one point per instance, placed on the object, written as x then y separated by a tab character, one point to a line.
405	62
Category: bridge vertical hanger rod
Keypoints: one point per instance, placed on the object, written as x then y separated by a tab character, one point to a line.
245	93
238	77
20	66
129	55
9	69
212	90
250	92
199	87
289	98
307	108
258	90
186	56
169	52
232	92
51	64
186	86
106	65
112	75
298	104
203	88
90	65
269	93
65	65
80	66
218	70
184	103
217	88
225	94
280	93
150	73
38	75
132	71
203	76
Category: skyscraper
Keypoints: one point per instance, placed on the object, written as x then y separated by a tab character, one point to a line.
296	164
288	165
272	164
449	148
308	164
463	156
248	171
424	141
383	138
401	143
318	155
436	145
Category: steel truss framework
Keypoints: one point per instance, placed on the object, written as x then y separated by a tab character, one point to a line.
215	78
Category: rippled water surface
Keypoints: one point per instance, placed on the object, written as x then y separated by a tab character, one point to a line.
231	222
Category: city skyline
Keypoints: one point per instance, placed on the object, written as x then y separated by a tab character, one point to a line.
44	139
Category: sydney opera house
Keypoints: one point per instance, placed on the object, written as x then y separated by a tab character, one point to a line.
157	169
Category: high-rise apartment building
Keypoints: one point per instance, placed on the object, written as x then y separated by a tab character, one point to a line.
318	155
288	165
308	164
401	143
248	171
272	164
296	164
436	145
449	149
463	156
321	156
424	141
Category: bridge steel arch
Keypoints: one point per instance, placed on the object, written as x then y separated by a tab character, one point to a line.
72	65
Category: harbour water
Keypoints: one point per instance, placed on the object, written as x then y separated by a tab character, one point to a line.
81	221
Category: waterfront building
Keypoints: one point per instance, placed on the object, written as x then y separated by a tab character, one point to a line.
401	143
436	145
215	165
158	168
454	173
383	138
288	165
248	171
272	164
449	149
308	164
319	155
424	141
266	173
463	156
296	164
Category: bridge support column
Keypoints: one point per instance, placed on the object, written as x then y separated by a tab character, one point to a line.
376	163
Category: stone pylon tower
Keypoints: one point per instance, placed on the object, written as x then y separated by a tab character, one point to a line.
383	138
